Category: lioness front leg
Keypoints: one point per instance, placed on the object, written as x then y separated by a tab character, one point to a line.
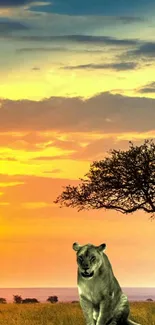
105	314
87	308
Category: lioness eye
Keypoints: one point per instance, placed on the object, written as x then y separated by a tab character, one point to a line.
93	258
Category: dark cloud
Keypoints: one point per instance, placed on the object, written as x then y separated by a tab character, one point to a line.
149	88
98	40
114	66
10	26
85	39
147	49
56	49
104	112
130	19
43	49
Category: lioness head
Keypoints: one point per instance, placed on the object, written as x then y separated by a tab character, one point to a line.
89	258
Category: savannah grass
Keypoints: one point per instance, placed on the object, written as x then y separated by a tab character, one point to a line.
65	313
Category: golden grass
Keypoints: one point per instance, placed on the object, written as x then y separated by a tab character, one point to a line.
65	314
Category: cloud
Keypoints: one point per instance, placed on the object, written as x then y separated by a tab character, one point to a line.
83	39
21	144
10	26
8	184
57	49
130	19
79	115
146	49
66	144
149	88
43	142
98	149
50	158
99	40
22	9
114	66
37	205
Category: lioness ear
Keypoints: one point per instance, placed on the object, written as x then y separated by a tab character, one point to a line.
76	246
101	247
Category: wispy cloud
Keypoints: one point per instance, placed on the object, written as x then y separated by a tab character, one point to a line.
85	39
37	205
10	184
114	66
58	49
148	88
50	158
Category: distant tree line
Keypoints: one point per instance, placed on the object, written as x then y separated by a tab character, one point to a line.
53	299
18	300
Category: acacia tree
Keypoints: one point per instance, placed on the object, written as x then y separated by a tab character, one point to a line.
124	181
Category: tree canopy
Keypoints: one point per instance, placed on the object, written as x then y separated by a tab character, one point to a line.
124	181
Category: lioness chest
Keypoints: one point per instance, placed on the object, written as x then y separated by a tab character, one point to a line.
93	291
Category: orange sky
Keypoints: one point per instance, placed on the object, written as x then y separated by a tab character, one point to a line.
37	236
72	87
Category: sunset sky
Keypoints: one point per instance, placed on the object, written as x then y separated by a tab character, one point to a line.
77	78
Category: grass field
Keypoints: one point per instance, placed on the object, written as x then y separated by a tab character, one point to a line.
65	314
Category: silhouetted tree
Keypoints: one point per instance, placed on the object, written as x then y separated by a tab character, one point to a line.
52	299
3	301
29	301
124	182
17	299
149	299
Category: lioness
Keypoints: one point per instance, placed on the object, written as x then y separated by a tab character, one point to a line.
101	297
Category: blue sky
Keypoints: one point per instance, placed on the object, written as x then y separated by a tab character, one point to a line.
101	7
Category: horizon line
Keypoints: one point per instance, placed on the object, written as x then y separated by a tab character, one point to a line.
67	287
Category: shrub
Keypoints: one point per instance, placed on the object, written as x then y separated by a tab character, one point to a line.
2	301
30	301
52	299
17	299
